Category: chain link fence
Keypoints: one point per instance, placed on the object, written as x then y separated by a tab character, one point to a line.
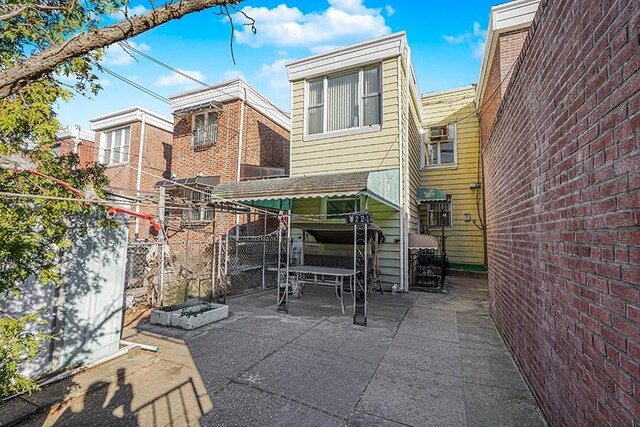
248	263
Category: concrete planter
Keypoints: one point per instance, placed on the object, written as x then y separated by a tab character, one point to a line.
191	317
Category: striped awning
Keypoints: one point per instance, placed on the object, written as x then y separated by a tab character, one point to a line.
425	194
379	185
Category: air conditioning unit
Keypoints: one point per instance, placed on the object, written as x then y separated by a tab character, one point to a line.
437	133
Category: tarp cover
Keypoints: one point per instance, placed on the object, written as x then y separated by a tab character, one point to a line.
335	232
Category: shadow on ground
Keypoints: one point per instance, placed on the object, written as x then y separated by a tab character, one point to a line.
424	359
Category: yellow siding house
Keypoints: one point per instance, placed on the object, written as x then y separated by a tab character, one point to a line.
451	162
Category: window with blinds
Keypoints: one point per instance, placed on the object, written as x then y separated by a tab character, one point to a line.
344	101
114	146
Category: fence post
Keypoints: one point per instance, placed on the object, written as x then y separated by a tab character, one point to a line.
162	273
264	252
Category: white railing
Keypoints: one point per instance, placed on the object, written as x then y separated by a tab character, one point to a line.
204	137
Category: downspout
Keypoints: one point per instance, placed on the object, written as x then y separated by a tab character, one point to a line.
407	186
139	177
76	141
401	167
240	138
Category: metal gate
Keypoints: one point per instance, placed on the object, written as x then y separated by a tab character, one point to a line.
245	264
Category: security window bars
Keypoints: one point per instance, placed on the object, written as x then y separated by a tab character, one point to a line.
114	146
434	214
344	101
205	129
441	145
199	211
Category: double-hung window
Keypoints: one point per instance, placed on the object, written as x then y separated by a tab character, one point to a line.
441	145
205	129
348	100
114	146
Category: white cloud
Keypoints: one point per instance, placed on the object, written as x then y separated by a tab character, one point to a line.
474	39
116	55
233	74
175	79
344	21
275	74
131	11
390	10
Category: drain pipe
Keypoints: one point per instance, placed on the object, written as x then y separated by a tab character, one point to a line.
240	138
139	177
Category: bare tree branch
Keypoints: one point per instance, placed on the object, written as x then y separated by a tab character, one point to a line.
19	75
19	8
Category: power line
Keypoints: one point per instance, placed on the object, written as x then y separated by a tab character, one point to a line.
135	85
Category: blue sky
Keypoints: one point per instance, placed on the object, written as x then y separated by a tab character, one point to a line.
446	39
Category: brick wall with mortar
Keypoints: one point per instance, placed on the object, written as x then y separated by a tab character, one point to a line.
156	164
562	176
507	49
85	150
265	143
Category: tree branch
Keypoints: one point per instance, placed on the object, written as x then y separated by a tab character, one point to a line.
39	7
16	77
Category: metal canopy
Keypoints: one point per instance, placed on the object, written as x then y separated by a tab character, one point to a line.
205	181
424	194
379	185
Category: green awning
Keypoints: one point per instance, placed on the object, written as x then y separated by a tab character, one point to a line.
425	194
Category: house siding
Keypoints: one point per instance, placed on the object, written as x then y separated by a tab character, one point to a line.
355	152
464	241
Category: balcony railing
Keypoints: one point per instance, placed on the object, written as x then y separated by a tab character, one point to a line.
261	172
204	137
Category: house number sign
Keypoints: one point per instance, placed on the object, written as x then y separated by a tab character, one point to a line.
359	218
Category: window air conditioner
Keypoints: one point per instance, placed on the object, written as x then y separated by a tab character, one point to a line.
438	132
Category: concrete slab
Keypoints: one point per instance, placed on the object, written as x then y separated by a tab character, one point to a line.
346	340
433	324
16	410
325	381
360	419
425	354
490	367
416	398
284	328
479	337
229	353
498	407
243	405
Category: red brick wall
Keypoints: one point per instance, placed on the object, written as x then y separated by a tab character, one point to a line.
507	50
264	143
156	165
85	150
562	176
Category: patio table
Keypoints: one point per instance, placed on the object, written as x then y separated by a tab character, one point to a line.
314	275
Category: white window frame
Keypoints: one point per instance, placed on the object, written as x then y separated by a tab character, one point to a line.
103	142
349	131
426	143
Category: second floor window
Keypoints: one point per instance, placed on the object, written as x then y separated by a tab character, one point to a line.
114	146
441	145
205	129
344	101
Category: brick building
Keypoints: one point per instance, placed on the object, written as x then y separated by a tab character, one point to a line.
227	132
562	172
135	144
74	139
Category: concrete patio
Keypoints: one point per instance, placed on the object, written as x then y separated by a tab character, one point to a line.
424	360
